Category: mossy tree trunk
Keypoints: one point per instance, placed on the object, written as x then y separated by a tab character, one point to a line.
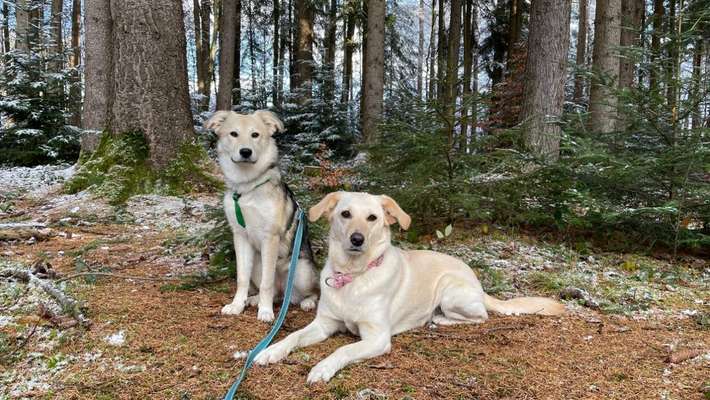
136	77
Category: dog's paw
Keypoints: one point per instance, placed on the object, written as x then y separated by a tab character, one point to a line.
233	308
271	355
322	372
252	301
265	314
308	303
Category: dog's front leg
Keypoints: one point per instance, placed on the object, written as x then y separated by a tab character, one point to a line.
269	255
320	329
374	343
245	262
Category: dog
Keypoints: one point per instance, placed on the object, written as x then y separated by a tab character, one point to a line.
375	290
248	156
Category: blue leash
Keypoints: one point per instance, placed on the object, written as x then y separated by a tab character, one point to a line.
282	313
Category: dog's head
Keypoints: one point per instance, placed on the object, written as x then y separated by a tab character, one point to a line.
359	222
245	140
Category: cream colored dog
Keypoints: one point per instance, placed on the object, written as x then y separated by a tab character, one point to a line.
249	159
375	290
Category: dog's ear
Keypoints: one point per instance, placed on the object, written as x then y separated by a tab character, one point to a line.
325	206
393	213
272	122
216	120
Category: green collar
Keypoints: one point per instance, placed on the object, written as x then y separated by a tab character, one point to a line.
237	209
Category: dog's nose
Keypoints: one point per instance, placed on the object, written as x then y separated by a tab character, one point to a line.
246	153
357	239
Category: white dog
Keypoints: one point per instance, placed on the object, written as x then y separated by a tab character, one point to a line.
264	230
375	290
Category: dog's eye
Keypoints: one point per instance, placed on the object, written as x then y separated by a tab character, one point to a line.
372	217
345	214
255	134
233	134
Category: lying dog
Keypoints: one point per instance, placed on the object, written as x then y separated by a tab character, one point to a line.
375	290
265	225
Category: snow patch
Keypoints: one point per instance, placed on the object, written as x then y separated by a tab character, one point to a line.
117	339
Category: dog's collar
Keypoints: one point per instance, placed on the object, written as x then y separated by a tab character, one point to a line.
340	279
237	209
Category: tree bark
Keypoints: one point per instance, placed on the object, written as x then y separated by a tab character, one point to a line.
452	68
227	39
673	62
349	49
304	55
544	91
441	52
56	34
515	25
98	71
605	65
631	12
74	61
658	13
330	38
420	53
197	22
204	57
22	24
236	76
696	118
431	90
375	70
275	90
581	56
467	67
150	73
6	26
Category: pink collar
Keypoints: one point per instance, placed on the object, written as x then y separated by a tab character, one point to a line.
340	279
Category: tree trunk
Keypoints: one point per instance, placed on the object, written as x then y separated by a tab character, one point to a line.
304	55
330	39
658	12
631	11
98	71
276	64
236	76
283	45
375	71
581	56
431	91
227	38
150	73
204	67
74	61
251	47
349	49
56	34
605	65
452	68
673	60
22	24
696	121
420	53
441	52
293	47
467	70
544	93
515	24
474	106
6	26
197	22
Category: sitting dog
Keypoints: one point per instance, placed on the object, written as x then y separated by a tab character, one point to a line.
375	290
264	223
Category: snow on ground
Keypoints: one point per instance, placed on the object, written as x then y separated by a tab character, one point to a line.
35	180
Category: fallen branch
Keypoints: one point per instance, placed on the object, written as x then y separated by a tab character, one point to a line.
22	344
68	304
119	276
683	355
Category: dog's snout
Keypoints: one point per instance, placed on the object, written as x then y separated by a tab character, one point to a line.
357	239
245	152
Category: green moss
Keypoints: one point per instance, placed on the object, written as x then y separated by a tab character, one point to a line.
120	168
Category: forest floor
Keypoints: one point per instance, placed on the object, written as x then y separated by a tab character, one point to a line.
639	327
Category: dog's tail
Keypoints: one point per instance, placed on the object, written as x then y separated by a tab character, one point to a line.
524	305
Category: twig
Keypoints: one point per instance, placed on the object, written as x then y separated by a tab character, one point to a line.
68	304
137	278
23	343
